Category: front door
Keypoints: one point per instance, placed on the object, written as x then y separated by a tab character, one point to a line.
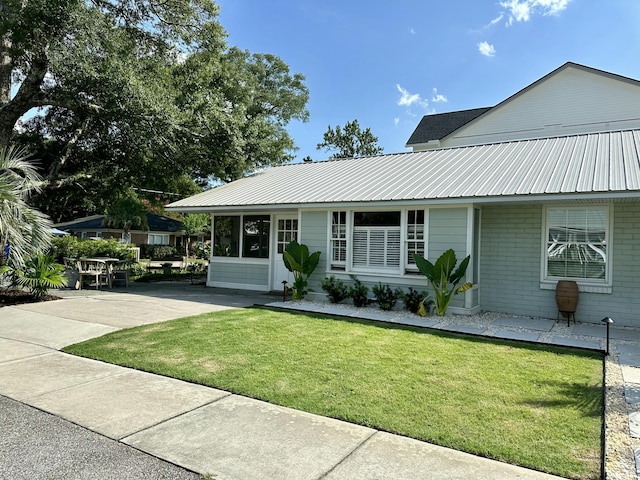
286	230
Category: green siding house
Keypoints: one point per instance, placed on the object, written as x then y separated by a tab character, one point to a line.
544	186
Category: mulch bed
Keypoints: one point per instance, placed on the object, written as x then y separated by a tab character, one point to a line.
20	297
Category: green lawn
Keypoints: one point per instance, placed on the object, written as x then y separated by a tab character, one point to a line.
540	407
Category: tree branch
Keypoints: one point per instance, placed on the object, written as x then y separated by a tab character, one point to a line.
55	169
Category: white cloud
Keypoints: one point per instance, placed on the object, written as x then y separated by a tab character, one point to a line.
438	97
412	31
521	10
407	99
486	49
396	121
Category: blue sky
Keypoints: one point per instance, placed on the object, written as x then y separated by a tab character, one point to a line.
387	63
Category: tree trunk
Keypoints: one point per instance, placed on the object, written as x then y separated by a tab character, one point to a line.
29	94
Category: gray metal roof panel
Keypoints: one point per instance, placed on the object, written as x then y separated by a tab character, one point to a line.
600	162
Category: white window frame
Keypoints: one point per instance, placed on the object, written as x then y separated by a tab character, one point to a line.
339	265
586	284
387	254
348	267
408	260
240	258
153	235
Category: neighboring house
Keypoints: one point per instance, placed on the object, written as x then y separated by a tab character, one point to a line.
161	230
541	187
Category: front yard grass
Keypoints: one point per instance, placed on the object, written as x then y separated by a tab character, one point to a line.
536	406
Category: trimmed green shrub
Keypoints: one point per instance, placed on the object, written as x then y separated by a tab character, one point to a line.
157	252
73	247
386	296
412	299
335	288
359	293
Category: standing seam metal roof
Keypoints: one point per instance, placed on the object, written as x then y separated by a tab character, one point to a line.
589	163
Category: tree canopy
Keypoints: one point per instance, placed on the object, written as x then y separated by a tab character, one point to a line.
138	93
350	141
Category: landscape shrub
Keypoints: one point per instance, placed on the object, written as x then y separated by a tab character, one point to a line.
335	288
359	293
412	299
73	247
386	296
157	252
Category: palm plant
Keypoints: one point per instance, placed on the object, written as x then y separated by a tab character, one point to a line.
25	230
41	273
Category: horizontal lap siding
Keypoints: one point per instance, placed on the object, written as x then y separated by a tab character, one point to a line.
510	263
314	234
447	229
239	274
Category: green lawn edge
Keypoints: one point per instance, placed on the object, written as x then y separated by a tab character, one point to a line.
541	406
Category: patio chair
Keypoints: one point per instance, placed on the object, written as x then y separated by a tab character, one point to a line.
120	272
92	269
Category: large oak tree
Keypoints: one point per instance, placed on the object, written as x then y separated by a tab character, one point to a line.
138	93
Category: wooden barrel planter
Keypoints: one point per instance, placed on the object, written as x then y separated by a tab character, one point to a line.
567	298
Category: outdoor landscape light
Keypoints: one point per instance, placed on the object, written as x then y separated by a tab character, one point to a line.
608	321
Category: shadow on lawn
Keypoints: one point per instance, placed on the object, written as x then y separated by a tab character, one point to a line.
588	398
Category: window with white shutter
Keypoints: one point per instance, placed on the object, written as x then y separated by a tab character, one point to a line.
376	241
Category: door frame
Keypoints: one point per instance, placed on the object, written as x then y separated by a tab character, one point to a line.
276	258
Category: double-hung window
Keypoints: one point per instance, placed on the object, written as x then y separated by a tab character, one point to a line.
577	244
338	241
415	237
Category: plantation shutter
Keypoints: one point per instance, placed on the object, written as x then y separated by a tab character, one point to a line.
376	247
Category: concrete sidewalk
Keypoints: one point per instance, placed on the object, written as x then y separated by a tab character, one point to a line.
202	429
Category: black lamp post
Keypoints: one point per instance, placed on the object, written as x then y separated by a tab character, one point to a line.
608	321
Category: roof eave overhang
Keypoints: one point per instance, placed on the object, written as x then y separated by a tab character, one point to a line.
480	200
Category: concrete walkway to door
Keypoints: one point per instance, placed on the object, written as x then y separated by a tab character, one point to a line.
202	429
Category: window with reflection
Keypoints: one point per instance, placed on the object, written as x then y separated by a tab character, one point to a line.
226	236
255	236
577	243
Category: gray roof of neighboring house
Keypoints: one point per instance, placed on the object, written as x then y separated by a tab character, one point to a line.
439	125
581	166
156	223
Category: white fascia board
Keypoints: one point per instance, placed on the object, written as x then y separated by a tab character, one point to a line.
529	198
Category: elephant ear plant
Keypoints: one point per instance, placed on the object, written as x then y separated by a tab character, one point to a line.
443	278
298	261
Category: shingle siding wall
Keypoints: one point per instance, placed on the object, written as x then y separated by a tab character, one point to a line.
623	305
510	263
